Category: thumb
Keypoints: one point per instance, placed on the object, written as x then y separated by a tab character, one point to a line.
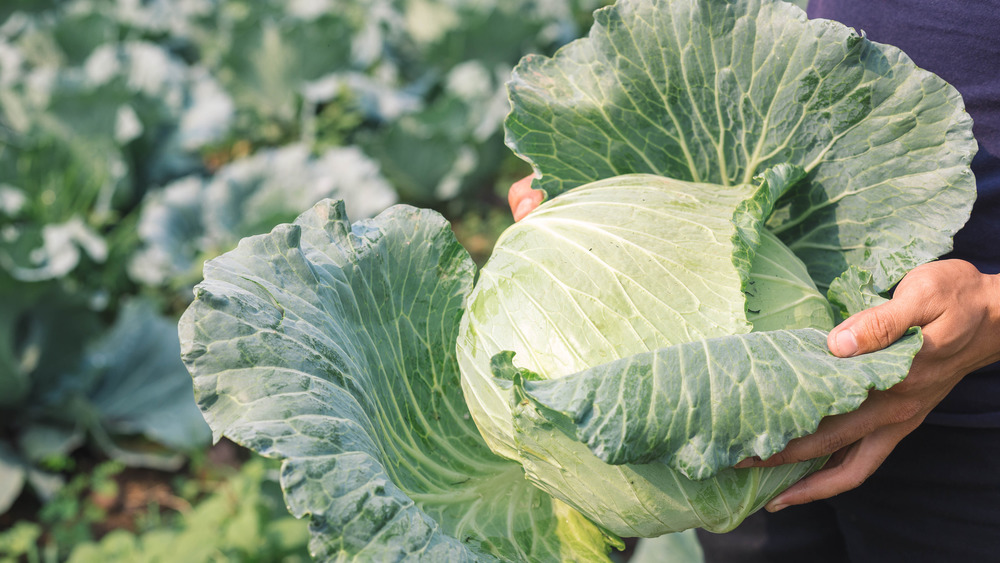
870	330
522	198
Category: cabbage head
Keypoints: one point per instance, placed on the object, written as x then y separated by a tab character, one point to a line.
632	265
726	180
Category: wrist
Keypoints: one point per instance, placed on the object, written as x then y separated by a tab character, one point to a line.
992	324
993	302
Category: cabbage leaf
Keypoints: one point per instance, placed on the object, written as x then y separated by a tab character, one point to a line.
703	406
332	346
717	92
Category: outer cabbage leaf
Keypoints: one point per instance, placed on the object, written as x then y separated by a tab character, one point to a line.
638	499
16	472
135	384
854	292
703	406
716	91
40	343
332	346
68	379
128	382
682	547
12	476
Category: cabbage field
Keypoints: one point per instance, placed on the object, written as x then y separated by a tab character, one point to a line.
263	298
140	138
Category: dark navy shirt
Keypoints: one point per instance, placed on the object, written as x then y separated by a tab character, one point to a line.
960	42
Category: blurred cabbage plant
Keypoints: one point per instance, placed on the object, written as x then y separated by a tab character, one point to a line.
140	137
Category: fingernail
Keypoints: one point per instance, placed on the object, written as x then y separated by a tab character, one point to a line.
847	345
776	504
748	462
523	208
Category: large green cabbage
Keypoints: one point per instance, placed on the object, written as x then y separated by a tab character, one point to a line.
632	265
727	180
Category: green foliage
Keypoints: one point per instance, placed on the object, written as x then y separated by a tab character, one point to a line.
66	520
71	379
240	517
20	543
243	519
138	139
76	508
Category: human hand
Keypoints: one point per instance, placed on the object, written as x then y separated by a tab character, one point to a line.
958	309
522	198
